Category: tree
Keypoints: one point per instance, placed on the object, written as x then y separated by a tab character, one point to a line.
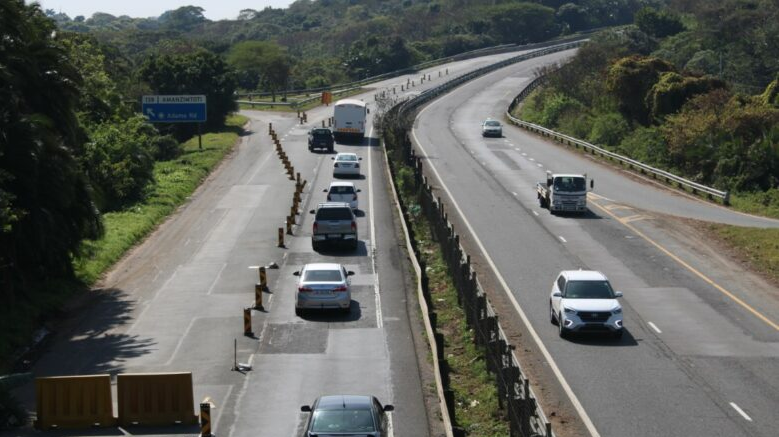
198	72
658	23
630	79
574	16
673	90
184	18
45	200
260	63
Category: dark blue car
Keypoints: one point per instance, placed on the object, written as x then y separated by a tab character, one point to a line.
347	415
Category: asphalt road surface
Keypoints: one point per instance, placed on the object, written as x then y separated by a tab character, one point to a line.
175	304
701	352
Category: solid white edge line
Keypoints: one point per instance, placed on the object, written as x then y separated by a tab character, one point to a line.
535	213
740	411
552	364
562	239
653	326
377	296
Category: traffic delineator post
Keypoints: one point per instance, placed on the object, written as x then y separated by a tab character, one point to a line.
258	288
247	322
281	237
263	278
205	418
289	226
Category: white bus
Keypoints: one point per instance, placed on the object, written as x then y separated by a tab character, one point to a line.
349	119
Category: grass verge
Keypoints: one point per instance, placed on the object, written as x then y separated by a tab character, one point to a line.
759	248
476	398
175	182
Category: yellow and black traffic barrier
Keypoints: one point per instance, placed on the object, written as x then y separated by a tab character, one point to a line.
205	418
74	402
263	278
258	296
293	212
247	322
155	399
298	178
289	225
270	127
281	237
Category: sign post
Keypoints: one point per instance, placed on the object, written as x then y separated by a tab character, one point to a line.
175	109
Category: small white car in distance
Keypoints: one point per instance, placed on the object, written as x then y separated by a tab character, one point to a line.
583	301
343	192
491	128
346	164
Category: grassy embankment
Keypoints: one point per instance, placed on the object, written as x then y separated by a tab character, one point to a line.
759	247
175	182
476	396
292	98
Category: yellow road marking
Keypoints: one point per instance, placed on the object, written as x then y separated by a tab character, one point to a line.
632	218
615	206
696	272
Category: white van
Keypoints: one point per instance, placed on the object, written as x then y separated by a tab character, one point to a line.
349	119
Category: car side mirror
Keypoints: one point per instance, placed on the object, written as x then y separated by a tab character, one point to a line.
333	158
325	190
305	408
350	273
557	294
389	408
360	158
617	294
359	190
296	273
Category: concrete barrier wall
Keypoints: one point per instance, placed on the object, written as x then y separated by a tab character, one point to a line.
155	399
74	402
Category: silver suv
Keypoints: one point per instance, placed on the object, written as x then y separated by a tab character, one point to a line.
334	222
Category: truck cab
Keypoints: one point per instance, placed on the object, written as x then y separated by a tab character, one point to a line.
564	192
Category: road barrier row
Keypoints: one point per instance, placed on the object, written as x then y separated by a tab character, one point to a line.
632	164
77	402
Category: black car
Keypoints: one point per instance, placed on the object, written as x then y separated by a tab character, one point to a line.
347	415
320	138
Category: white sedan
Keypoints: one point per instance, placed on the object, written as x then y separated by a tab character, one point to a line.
583	301
346	164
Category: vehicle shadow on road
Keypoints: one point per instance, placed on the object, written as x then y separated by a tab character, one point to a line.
344	251
600	339
589	215
334	316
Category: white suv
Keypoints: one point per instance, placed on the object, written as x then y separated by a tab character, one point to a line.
583	301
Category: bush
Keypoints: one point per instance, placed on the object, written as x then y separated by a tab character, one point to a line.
608	129
646	144
556	106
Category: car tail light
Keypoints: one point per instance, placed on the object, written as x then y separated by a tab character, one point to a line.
354	226
303	289
341	288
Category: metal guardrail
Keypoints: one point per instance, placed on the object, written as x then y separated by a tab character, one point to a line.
655	173
526	418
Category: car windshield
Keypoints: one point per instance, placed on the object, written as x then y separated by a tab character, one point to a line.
342	189
492	123
588	290
322	276
334	214
342	421
346	158
563	183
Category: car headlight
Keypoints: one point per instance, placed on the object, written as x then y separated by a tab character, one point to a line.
617	311
569	311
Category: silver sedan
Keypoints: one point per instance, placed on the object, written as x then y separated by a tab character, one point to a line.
323	286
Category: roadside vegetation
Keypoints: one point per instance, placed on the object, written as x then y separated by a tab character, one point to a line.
692	88
476	398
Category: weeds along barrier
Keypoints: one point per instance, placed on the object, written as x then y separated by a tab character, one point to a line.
515	396
632	164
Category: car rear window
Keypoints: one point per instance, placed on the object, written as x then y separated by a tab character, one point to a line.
322	276
342	189
334	214
347	158
342	421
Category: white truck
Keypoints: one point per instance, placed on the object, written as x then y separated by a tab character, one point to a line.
564	192
349	119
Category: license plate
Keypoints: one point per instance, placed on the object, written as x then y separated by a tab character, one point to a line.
333	235
322	292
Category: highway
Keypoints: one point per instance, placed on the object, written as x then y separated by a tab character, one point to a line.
175	303
701	351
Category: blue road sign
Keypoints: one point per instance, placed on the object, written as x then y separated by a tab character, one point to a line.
174	109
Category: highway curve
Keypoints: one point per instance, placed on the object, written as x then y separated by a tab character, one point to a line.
701	351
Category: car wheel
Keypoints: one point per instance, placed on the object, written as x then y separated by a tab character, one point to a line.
315	246
552	317
298	312
562	331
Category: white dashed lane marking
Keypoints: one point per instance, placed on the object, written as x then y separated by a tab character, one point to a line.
563	239
653	326
535	213
740	411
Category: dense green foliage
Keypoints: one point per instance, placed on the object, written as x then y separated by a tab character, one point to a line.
622	92
325	42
